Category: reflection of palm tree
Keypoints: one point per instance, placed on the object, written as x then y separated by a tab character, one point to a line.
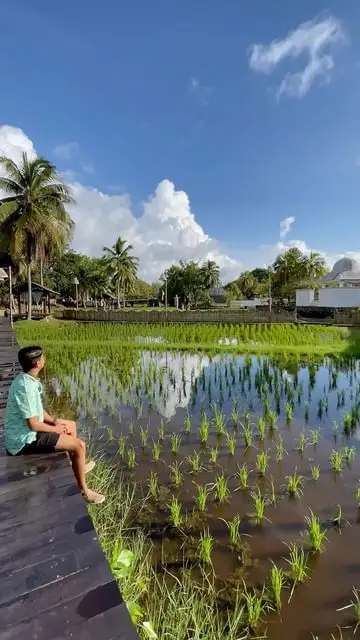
33	219
210	274
122	266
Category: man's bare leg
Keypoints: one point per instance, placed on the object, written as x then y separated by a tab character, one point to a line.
77	449
71	430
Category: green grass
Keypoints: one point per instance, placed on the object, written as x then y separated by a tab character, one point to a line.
259	338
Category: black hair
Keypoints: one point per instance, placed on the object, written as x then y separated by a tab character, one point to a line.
29	357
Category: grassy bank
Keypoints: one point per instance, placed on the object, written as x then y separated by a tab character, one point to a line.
254	338
161	605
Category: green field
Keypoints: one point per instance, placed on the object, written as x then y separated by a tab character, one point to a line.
242	338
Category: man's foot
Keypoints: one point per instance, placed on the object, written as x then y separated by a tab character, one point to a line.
91	497
90	466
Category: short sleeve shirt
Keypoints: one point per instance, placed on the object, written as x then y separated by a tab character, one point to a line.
24	401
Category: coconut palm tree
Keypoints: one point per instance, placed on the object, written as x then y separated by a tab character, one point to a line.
315	265
122	266
290	266
33	218
211	274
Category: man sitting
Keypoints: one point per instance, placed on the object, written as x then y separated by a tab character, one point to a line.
29	429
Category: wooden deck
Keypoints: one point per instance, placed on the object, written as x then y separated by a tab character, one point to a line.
55	582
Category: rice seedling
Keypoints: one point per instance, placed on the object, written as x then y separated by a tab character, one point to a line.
175	439
204	429
161	431
131	457
288	412
357	496
273	491
206	545
219	420
156	450
231	444
355	605
314	532
336	461
144	436
260	504
234	530
201	497
256	608
262	463
278	583
315	472
194	462
176	517
131	428
243	476
301	443
247	433
337	519
110	434
272	419
314	437
222	490
175	474
261	429
214	455
295	483
349	454
187	423
347	424
153	484
298	565
235	416
280	449
122	446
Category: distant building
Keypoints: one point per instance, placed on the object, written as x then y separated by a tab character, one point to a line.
250	304
346	274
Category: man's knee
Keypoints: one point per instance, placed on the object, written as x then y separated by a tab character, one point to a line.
80	446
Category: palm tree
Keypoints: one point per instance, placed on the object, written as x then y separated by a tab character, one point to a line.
33	218
315	265
247	284
211	274
290	266
122	266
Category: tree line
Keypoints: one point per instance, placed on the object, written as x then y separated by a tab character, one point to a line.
36	232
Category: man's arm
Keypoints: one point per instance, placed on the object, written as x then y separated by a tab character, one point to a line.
48	419
35	425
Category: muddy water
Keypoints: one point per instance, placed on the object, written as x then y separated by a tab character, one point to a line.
165	388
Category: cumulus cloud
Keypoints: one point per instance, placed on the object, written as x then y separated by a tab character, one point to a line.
316	39
166	232
285	226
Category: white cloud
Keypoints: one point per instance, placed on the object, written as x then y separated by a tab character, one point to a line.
316	39
67	151
285	226
166	232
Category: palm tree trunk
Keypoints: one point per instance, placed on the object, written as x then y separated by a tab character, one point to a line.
29	289
118	294
41	271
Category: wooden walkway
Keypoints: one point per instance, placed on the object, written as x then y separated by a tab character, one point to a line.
55	582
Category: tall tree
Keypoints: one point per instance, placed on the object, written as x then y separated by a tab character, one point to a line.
211	274
122	266
33	217
248	285
315	265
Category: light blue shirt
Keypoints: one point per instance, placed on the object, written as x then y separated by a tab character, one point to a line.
24	402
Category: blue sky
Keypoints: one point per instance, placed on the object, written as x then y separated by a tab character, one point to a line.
125	95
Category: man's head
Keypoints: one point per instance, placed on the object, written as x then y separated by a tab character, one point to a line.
31	359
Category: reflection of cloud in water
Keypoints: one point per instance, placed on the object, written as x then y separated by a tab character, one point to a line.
176	393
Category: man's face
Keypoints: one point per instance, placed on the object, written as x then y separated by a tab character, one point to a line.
41	363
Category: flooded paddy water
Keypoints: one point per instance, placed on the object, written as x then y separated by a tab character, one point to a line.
234	453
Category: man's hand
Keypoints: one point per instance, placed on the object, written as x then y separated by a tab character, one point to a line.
68	427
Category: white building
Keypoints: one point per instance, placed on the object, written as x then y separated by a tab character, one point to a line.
345	272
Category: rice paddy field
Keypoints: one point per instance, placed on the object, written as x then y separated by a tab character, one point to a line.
230	457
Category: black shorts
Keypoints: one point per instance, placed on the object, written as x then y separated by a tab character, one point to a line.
44	443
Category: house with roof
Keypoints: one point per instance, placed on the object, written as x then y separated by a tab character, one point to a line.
340	290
